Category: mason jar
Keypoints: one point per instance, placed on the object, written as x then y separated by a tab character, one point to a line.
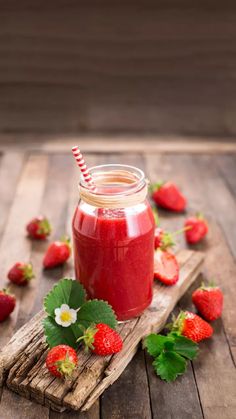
113	235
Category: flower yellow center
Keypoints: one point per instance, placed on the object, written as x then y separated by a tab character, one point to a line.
66	316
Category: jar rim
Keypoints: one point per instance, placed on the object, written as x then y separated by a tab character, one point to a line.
106	177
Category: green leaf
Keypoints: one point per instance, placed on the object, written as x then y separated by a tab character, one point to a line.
66	291
168	365
185	347
96	311
156	343
169	345
57	335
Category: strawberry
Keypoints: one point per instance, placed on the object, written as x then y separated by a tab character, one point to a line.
164	239
208	301
168	196
57	253
161	238
21	273
197	228
7	304
39	228
166	267
192	326
61	361
102	340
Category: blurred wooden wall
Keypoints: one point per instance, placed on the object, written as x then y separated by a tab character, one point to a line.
147	66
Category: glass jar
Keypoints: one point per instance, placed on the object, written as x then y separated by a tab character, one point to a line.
113	234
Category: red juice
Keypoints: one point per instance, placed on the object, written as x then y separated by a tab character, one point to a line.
114	254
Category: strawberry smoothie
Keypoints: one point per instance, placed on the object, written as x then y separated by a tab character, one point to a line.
114	254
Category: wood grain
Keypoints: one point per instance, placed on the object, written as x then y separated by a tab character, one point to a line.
22	361
14	406
128	396
25	205
161	67
197	180
174	399
8	182
227	167
164	159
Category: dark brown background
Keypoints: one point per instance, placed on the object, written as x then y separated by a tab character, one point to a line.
110	66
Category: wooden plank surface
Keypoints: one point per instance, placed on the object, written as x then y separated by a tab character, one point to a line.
100	67
197	180
181	399
216	362
25	205
22	360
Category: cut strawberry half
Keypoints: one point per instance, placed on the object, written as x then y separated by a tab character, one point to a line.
166	267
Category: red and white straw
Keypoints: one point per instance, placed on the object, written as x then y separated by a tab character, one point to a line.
83	167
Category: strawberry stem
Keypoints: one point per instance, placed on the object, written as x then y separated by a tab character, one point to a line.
66	367
181	230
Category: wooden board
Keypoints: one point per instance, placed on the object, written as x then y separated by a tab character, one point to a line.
165	66
22	361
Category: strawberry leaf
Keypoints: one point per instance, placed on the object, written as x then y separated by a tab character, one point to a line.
66	291
156	343
168	365
57	335
184	346
94	312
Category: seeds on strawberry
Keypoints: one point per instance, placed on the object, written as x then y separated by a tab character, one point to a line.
197	228
61	361
21	273
7	304
166	267
208	300
102	340
57	253
192	326
167	195
39	228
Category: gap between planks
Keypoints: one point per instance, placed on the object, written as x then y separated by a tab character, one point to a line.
22	360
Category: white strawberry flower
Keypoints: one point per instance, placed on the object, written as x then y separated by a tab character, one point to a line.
65	316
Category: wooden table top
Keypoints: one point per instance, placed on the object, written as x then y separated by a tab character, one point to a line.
40	179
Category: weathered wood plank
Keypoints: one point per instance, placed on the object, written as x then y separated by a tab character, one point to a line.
93	413
227	166
122	359
220	200
219	261
10	168
13	406
26	204
128	397
17	353
215	362
176	399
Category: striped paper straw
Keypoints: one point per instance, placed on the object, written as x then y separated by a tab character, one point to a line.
83	167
